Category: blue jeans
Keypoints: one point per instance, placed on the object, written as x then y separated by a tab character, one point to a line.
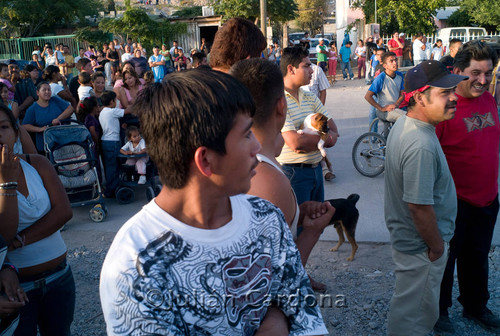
373	115
51	307
346	66
307	183
110	151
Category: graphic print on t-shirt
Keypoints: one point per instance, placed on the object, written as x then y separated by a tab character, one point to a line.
180	287
479	121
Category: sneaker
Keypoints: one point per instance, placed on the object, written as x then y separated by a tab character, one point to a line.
444	326
345	79
142	180
485	319
352	78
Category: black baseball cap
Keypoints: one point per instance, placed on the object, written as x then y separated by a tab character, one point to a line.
431	73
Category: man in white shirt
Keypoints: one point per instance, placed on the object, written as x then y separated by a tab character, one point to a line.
127	55
418	49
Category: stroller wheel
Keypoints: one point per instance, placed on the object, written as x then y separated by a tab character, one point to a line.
125	195
150	194
97	214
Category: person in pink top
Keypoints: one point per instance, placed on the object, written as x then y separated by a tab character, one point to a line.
396	45
471	144
332	62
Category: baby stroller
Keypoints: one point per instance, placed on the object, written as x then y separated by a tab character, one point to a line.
68	148
125	193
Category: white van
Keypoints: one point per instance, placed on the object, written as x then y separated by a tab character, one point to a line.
465	34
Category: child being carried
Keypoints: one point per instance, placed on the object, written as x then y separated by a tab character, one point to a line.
135	146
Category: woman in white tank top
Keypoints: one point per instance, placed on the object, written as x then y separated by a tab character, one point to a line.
34	203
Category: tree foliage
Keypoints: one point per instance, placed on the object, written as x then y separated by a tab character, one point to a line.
136	24
485	13
93	36
27	17
277	10
311	14
188	12
459	18
412	16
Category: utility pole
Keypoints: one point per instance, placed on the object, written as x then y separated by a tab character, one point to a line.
263	17
375	11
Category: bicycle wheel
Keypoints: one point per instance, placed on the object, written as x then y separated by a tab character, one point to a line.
368	154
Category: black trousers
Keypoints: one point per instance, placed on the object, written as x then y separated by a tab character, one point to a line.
469	247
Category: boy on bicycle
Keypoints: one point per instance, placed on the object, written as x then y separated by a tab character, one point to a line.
388	88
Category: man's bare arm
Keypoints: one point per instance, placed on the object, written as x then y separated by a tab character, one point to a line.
301	143
424	218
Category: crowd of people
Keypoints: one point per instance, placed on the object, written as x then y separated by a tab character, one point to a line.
222	248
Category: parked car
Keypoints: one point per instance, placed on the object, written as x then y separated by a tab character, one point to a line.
295	37
312	51
465	34
328	36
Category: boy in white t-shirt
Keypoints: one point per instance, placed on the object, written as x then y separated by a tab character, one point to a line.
136	146
109	118
203	258
85	89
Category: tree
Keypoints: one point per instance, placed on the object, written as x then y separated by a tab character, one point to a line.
485	13
311	14
412	16
93	36
27	17
137	24
278	10
459	18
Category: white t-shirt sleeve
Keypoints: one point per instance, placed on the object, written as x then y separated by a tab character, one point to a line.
128	146
141	146
118	112
56	88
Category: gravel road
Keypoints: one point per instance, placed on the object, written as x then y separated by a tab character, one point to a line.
356	303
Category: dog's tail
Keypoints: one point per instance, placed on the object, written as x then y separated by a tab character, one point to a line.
354	198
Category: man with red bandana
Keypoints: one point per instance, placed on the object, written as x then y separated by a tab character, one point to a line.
471	143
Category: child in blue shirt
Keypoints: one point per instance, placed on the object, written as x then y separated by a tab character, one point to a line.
345	60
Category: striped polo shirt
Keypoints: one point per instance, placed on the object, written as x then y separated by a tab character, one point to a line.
297	111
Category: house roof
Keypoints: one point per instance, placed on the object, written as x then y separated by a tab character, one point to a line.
445	13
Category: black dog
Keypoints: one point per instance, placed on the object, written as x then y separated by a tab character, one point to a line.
345	220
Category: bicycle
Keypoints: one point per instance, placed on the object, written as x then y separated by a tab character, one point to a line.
368	152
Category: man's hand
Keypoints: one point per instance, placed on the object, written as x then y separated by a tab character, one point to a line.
388	108
435	255
275	323
332	139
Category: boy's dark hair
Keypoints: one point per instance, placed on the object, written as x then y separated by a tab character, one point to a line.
156	46
293	56
386	55
264	81
348	43
82	62
474	50
29	67
418	35
3	65
84	78
237	39
454	41
107	97
49	72
131	129
189	109
198	58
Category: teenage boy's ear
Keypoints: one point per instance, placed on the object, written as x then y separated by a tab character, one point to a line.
203	160
290	69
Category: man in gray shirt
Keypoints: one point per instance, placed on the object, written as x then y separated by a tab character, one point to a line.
420	199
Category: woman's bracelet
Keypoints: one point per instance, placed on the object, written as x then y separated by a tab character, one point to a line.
8	185
7	265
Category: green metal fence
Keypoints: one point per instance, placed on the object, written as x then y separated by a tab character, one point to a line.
22	48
